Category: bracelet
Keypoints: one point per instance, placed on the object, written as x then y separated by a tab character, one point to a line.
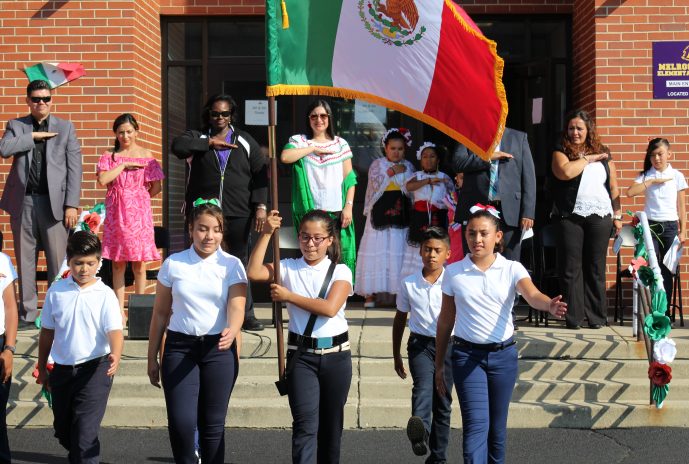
350	203
263	207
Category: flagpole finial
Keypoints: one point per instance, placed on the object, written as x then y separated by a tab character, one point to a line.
285	17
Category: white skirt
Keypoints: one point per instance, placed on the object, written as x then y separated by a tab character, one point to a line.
380	260
411	262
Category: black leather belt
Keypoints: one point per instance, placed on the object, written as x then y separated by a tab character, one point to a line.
30	192
424	338
483	346
317	343
88	363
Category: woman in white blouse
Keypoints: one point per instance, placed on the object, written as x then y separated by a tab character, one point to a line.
202	292
587	201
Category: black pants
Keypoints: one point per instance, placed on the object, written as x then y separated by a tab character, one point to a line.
666	231
583	249
198	380
237	235
80	395
318	386
5	457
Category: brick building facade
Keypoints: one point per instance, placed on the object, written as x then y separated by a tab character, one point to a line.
130	48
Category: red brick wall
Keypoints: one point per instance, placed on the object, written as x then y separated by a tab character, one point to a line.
626	113
118	42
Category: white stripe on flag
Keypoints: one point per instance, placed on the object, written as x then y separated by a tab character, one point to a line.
399	73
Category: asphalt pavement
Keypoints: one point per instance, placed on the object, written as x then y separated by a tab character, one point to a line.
532	446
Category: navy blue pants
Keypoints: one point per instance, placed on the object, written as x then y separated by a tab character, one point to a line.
435	410
666	231
5	457
197	379
318	386
484	382
80	395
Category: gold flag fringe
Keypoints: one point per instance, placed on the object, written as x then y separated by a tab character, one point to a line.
285	17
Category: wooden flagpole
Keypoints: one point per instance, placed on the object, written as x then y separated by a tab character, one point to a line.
277	305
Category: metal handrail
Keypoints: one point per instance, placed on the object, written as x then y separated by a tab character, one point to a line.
642	308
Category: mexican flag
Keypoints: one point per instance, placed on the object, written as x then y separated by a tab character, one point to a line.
425	58
55	74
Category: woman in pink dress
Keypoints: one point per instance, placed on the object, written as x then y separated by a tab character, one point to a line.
132	176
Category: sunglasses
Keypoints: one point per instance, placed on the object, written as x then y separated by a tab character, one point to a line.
41	99
305	238
224	114
322	117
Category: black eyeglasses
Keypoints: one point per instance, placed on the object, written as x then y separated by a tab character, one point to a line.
322	117
305	238
224	114
41	99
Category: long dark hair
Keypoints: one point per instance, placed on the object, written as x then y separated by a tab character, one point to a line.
317	215
482	213
653	145
206	110
329	131
125	118
592	144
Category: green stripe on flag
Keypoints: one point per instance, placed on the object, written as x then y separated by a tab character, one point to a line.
302	54
36	73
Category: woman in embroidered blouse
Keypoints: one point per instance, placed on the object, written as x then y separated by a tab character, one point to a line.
386	207
323	162
587	200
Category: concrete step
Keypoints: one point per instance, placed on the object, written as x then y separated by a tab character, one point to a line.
151	413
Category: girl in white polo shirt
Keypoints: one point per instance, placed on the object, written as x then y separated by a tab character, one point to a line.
478	294
319	363
664	188
202	292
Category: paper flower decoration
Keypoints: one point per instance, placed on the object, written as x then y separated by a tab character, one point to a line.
636	265
92	221
665	350
660	374
659	300
659	394
657	326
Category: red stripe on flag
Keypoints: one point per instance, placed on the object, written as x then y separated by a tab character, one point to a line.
465	76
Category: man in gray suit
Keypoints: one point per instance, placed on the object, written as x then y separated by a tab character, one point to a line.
507	182
42	191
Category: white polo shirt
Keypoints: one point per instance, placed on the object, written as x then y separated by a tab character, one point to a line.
299	277
483	300
422	300
7	269
81	319
200	289
661	199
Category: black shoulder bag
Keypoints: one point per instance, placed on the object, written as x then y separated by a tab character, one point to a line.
281	384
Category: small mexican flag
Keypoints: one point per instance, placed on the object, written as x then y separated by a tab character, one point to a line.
425	58
55	74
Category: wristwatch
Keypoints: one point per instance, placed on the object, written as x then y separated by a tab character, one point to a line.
617	217
10	348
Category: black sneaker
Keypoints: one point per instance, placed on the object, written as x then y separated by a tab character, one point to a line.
252	324
416	432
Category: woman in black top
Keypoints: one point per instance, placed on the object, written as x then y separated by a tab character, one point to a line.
226	163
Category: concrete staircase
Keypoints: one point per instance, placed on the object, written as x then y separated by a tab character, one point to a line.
576	379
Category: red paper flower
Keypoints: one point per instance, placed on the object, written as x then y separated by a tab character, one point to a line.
93	221
66	273
660	374
636	264
635	221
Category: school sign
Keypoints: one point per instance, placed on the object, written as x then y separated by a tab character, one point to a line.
671	70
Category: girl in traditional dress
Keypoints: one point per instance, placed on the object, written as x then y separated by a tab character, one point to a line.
428	189
323	177
132	176
386	208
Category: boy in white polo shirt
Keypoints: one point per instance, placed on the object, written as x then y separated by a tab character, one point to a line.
420	295
82	330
